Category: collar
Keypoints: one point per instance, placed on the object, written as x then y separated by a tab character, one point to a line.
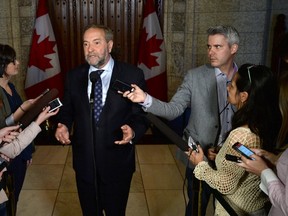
218	72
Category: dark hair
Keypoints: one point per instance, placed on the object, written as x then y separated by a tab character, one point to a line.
283	47
261	111
7	54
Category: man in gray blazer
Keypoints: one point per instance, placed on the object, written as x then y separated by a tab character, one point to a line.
204	91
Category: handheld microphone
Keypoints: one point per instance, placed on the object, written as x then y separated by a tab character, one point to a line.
94	76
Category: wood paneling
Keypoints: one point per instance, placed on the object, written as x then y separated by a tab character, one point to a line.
124	17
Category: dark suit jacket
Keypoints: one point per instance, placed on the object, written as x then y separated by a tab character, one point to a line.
113	161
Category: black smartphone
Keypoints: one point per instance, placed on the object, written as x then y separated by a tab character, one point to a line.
243	150
54	104
119	85
233	158
192	144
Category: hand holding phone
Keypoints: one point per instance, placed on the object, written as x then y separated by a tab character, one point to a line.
192	144
243	150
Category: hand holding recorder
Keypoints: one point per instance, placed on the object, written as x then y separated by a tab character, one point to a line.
122	87
195	153
136	96
192	144
45	114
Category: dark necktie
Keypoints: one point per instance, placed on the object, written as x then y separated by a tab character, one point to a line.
98	97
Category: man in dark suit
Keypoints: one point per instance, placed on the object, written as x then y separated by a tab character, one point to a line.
103	151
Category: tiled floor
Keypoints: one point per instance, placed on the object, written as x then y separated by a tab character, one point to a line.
156	190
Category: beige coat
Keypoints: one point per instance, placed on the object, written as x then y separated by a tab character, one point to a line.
15	147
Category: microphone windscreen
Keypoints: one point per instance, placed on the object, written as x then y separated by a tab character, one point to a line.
94	76
42	102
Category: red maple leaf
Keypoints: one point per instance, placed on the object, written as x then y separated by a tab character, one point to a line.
148	47
38	52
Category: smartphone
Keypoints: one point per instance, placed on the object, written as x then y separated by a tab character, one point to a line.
119	85
243	150
192	144
233	158
54	104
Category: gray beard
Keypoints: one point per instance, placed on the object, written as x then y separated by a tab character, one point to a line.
99	64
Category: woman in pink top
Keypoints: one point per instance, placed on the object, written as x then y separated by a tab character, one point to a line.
275	184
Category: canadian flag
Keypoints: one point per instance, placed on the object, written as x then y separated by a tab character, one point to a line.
152	58
44	66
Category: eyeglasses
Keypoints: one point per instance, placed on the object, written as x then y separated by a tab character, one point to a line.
248	69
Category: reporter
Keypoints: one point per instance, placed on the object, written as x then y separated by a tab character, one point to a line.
17	145
11	110
9	66
204	91
275	185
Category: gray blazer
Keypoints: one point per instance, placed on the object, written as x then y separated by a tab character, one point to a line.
198	91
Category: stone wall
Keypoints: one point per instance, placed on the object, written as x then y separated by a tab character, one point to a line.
186	22
185	25
16	24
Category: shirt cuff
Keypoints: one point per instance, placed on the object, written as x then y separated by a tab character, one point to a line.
267	176
133	136
147	103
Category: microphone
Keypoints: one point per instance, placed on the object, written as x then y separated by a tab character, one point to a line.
94	76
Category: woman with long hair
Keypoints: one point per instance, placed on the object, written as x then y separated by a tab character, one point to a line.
11	110
275	185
